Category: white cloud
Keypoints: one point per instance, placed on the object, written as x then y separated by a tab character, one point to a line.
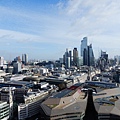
74	19
98	20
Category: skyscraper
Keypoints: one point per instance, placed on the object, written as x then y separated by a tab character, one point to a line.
83	45
85	57
71	59
25	58
67	59
87	53
90	56
75	57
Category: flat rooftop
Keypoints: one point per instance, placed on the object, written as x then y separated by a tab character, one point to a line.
68	91
62	93
18	82
107	92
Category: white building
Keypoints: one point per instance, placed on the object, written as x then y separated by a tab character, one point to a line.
32	104
17	67
17	77
43	70
1	61
7	96
68	62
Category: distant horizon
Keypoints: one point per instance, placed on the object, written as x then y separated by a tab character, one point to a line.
43	29
49	59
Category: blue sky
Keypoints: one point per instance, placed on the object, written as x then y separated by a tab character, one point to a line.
45	28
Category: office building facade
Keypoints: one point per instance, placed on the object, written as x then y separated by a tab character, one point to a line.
90	56
31	106
75	57
16	67
83	45
87	53
67	59
25	58
7	96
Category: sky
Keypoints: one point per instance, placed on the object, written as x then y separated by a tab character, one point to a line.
43	29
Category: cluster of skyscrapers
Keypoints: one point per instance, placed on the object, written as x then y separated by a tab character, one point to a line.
87	53
71	58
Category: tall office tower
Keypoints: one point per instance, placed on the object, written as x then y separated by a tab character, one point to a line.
66	55
25	58
64	59
88	56
75	57
91	60
68	62
85	57
67	59
70	55
83	45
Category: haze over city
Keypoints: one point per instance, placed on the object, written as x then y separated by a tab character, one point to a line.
45	28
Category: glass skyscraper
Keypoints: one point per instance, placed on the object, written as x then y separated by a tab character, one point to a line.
83	45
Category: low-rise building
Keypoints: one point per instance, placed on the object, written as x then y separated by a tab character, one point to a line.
67	104
16	84
107	104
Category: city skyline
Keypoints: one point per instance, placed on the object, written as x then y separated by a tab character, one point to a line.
43	29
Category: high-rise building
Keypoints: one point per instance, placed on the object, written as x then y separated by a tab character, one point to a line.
83	45
25	58
67	59
90	56
75	57
87	53
71	58
85	57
